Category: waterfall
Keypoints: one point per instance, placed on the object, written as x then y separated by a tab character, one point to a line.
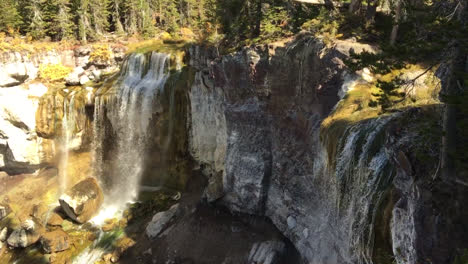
128	112
68	124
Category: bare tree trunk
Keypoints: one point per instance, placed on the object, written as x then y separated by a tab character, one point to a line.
371	11
396	22
455	86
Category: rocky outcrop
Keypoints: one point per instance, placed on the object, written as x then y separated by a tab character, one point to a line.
21	149
16	67
82	201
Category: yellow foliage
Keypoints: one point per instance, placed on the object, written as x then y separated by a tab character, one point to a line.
26	45
101	52
187	33
165	35
53	72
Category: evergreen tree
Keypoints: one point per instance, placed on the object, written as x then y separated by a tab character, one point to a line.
115	7
9	15
99	14
33	23
58	19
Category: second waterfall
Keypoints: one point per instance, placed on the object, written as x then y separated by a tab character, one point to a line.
122	113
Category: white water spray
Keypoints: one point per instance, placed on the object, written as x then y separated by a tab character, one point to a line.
128	112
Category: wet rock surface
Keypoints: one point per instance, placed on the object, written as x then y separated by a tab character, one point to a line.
82	201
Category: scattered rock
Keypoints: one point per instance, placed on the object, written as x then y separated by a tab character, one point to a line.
4	211
4	234
82	201
29	233
82	51
160	221
55	241
55	220
268	252
74	77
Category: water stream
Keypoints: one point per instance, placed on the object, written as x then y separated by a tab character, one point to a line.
128	112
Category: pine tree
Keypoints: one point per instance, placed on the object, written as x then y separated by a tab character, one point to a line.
9	15
33	22
58	19
115	7
80	8
99	16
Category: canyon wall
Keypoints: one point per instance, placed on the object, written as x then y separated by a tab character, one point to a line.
266	130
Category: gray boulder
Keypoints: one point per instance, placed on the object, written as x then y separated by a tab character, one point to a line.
161	221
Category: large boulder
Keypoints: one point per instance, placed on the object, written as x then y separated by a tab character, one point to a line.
55	241
161	221
82	201
29	233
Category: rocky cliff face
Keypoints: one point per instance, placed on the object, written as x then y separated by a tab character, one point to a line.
265	127
35	117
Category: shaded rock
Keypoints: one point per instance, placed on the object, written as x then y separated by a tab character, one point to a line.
268	252
4	234
82	201
55	241
29	233
161	221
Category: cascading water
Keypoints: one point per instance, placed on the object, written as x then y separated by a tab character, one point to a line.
128	111
68	124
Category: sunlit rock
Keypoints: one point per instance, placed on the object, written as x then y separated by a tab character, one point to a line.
161	221
55	241
4	234
82	201
74	77
84	79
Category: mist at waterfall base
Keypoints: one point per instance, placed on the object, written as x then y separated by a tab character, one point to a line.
128	111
